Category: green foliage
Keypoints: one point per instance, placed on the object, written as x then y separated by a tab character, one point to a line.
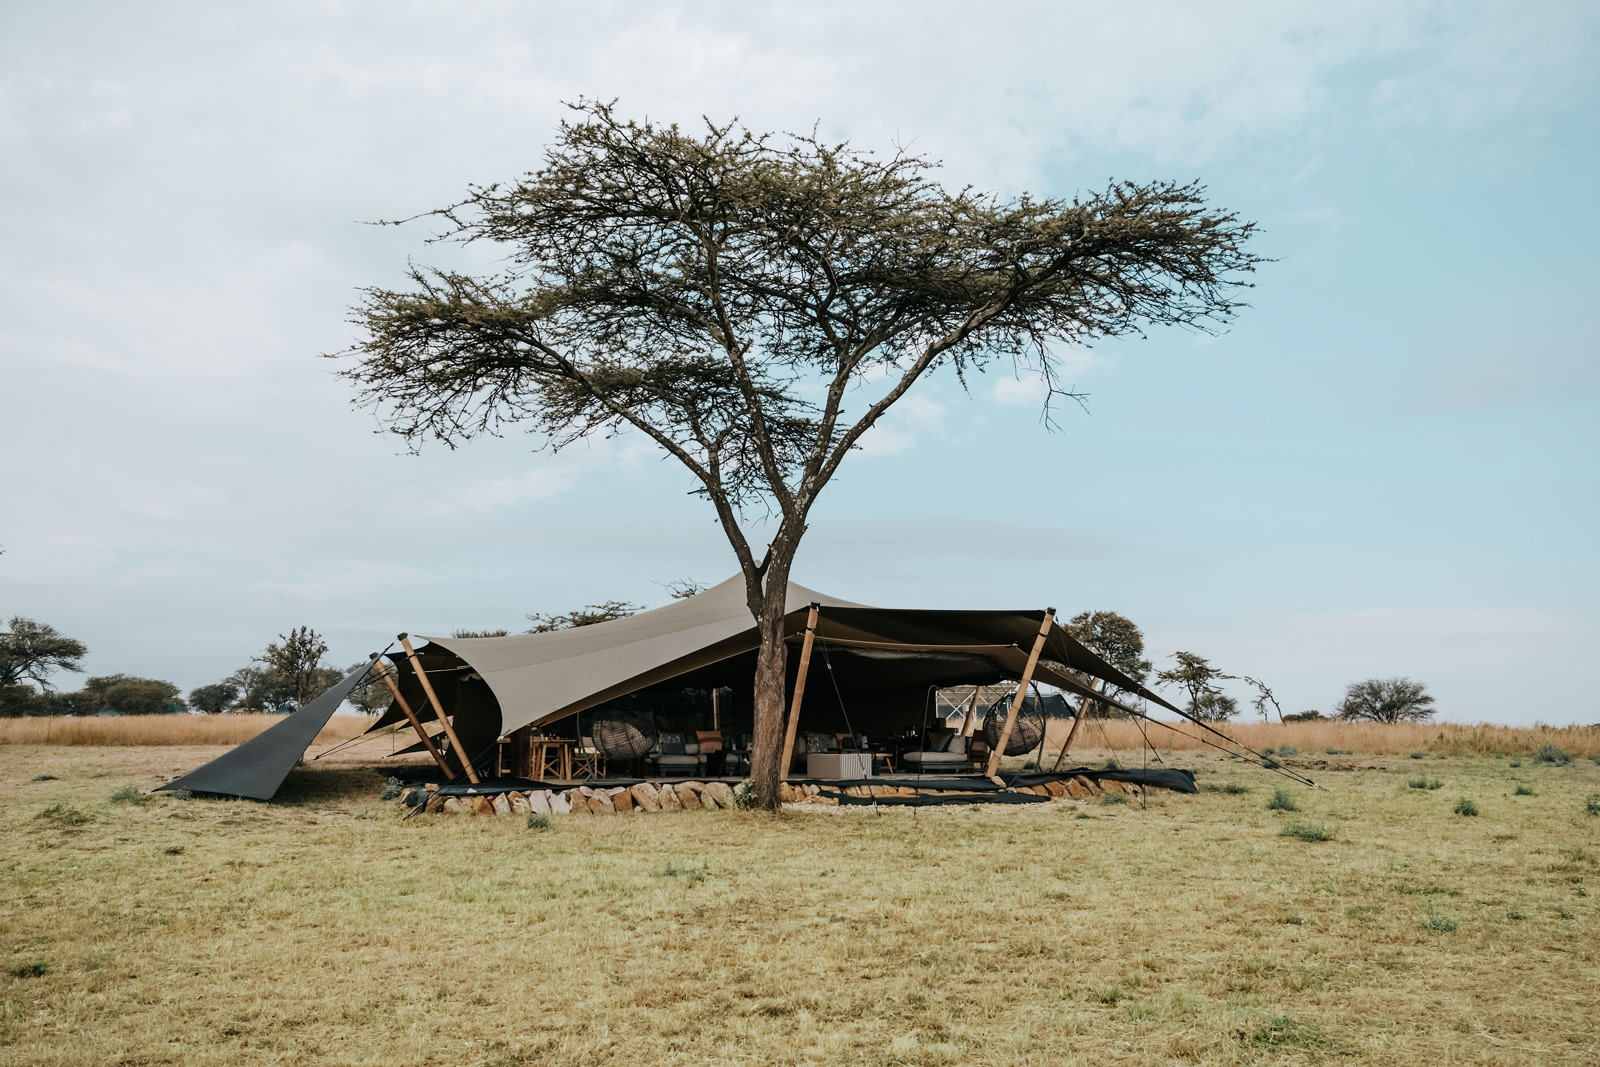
692	874
292	666
130	794
17	701
1303	716
1118	641
1425	783
744	796
1113	798
1198	678
131	695
588	615
538	820
1330	750
1523	790
1236	788
480	633
1283	800
30	969
1553	755
43	778
1419	755
392	788
1591	803
215	698
1288	750
1108	995
1466	806
33	651
1386	700
1440	924
65	816
1306	831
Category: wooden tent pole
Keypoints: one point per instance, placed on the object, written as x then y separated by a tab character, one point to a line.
1077	720
416	723
971	720
1022	691
438	709
799	690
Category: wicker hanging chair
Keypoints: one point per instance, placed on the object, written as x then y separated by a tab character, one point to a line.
1026	732
624	736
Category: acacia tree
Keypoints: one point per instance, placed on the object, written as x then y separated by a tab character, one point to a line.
1386	700
293	665
1199	679
754	304
1118	641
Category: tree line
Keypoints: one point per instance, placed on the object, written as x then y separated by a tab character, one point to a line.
284	676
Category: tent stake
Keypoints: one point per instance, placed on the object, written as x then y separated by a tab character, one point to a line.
1022	694
799	690
1083	710
438	709
416	723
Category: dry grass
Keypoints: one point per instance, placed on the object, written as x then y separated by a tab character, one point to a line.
1313	739
324	929
159	729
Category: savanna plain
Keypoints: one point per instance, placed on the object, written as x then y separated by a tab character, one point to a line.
1373	919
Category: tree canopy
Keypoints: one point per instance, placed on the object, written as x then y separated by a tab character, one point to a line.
1199	680
33	651
1386	700
754	304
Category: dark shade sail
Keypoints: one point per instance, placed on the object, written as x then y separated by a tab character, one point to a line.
257	768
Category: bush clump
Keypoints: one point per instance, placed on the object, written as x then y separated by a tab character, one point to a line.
538	820
1425	783
1523	789
1591	803
1419	755
1440	924
1288	750
1236	788
1466	806
130	794
1552	754
1113	798
43	778
31	969
1306	831
392	788
65	816
1283	800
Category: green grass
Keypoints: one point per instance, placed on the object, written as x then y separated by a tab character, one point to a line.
1523	789
1466	806
1113	798
1425	783
1552	754
331	928
1307	831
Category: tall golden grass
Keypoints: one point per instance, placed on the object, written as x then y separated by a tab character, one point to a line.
160	729
1315	738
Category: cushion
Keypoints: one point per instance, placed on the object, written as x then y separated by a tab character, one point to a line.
709	740
673	748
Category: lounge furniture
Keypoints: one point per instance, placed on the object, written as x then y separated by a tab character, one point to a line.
948	755
838	765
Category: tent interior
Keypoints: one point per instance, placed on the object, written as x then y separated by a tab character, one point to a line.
688	668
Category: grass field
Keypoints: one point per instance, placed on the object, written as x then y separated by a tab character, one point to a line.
324	929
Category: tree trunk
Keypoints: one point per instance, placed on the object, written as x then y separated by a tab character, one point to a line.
772	659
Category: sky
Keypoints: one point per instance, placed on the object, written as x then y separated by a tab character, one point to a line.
1386	466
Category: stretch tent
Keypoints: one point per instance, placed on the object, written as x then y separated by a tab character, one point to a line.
880	664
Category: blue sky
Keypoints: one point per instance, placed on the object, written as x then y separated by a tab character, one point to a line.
1386	466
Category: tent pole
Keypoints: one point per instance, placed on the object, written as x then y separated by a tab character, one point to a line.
438	709
971	720
1022	693
1083	710
799	690
416	723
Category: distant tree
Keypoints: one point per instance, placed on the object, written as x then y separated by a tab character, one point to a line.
293	665
1266	701
258	689
132	695
215	698
373	696
684	588
1117	641
20	700
755	305
1198	678
33	651
1214	707
584	616
1386	700
1303	716
480	633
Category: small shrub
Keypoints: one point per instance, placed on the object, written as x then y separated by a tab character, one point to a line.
1440	924
31	969
43	778
1288	750
1283	800
1331	751
1552	754
538	820
392	787
1425	783
1516	763
671	869
1108	995
130	794
1236	788
1112	765
1269	752
65	816
744	797
1591	803
1466	806
1306	831
1419	755
1523	790
1113	798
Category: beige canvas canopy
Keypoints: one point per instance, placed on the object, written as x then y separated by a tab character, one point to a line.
710	639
